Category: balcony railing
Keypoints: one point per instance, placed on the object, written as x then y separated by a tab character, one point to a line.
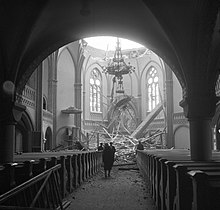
28	97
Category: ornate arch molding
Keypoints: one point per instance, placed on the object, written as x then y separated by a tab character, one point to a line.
127	100
26	121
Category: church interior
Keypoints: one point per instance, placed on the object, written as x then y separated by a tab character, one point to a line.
59	93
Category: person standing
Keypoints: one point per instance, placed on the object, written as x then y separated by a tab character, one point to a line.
113	151
108	159
113	148
100	147
140	146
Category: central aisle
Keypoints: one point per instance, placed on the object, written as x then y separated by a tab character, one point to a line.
124	190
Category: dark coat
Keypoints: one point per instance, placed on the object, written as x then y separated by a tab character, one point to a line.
140	146
108	158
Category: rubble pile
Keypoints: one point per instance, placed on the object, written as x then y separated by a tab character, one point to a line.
125	145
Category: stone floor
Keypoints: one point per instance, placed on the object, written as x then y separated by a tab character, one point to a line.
124	190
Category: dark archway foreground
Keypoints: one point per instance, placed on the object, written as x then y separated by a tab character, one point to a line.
184	33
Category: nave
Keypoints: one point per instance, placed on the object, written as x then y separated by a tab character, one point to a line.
125	190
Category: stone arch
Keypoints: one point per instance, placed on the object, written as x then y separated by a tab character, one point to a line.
24	129
152	36
120	105
63	135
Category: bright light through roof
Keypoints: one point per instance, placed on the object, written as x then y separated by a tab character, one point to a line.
109	43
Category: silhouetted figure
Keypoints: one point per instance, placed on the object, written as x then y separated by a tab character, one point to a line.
140	146
113	150
112	147
108	159
100	147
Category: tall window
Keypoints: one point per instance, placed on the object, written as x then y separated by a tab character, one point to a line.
152	85
44	103
95	91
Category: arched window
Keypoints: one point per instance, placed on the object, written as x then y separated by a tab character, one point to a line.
95	91
44	103
152	87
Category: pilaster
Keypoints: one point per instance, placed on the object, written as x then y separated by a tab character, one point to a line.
78	95
169	107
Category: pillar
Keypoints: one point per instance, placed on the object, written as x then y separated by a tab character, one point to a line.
78	95
199	109
217	132
39	108
7	129
169	108
75	134
200	139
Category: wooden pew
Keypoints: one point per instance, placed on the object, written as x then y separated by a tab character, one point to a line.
63	176
76	166
206	190
184	189
80	172
156	172
69	170
75	171
24	171
172	179
7	179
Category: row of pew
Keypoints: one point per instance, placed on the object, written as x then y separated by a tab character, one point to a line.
76	167
178	183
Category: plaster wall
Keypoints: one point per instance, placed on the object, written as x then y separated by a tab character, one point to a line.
177	95
65	88
181	137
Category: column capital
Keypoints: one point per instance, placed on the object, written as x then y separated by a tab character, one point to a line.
12	113
199	106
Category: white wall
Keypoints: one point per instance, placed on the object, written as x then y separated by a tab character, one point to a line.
181	138
177	95
65	88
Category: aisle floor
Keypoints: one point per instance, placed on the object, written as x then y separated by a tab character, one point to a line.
124	190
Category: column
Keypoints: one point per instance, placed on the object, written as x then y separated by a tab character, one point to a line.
217	132
169	107
54	93
7	129
200	138
39	107
199	110
78	89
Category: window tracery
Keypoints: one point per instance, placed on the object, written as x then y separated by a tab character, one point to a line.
152	86
95	91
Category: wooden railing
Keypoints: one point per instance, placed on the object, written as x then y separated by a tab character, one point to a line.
42	191
20	181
